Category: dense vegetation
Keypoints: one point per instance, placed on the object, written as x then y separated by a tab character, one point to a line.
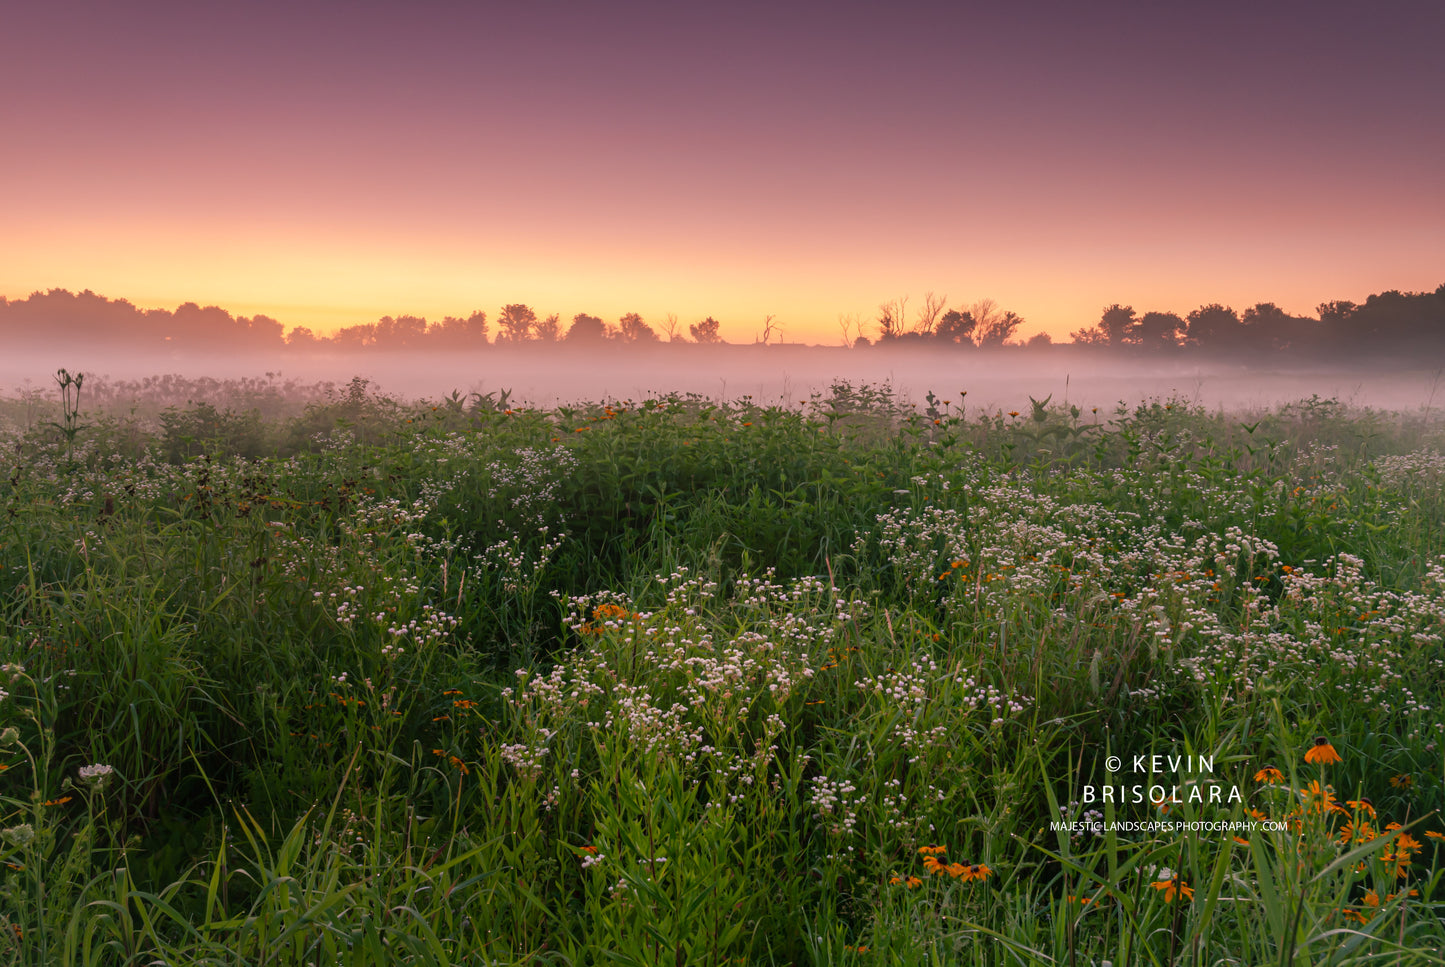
684	682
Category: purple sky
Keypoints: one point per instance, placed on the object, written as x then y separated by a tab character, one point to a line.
330	163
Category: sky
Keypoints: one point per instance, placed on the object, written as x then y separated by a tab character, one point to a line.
329	163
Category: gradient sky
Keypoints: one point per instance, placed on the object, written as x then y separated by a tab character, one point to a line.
329	163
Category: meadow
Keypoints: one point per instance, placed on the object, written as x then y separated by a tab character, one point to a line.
369	681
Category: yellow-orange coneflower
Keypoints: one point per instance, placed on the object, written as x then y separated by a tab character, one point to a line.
1318	798
1322	752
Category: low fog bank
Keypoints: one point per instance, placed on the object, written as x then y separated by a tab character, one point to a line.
787	375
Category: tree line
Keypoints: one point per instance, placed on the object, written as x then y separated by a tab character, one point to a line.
1388	323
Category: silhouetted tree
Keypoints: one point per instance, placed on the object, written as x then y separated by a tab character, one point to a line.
1335	320
517	322
1089	336
1117	324
1158	330
454	332
631	328
1390	321
891	319
928	316
263	331
360	336
403	332
212	327
1213	327
994	326
301	337
706	331
549	329
587	329
770	329
956	326
1265	327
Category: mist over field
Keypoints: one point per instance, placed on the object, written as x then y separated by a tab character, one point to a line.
771	375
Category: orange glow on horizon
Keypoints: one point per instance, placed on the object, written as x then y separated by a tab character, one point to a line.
327	280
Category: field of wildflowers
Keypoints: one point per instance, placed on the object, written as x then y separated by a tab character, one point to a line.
678	681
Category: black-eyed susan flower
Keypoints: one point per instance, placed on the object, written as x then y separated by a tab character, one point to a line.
1402	781
977	871
1396	861
1269	774
1322	753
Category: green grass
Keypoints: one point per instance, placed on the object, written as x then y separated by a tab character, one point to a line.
686	682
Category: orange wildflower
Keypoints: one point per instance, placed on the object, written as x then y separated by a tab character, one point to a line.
1269	774
1172	888
1397	860
1322	752
1318	798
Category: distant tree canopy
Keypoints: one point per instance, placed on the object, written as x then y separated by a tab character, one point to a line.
548	329
631	328
982	324
587	329
706	331
956	326
516	323
1212	325
93	319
